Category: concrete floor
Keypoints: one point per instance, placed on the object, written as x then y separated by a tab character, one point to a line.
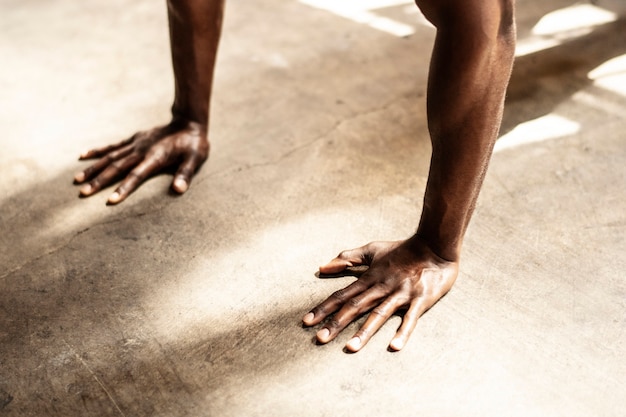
191	306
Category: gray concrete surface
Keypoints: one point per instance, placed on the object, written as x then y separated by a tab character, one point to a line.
191	306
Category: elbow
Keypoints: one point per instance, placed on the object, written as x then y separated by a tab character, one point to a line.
494	20
506	29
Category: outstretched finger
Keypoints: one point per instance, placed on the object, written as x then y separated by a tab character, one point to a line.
98	152
409	321
186	171
134	179
350	311
377	317
110	174
334	302
104	162
347	258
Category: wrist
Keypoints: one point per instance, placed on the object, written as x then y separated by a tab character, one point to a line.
447	249
190	114
180	122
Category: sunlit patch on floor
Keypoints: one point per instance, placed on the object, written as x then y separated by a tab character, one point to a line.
611	75
230	287
363	11
564	24
547	127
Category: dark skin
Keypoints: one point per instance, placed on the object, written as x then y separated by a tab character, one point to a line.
464	114
469	72
195	28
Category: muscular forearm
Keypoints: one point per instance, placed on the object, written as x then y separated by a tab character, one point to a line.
470	69
195	27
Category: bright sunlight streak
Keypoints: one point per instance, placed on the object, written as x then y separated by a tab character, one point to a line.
561	25
579	17
611	75
547	127
363	11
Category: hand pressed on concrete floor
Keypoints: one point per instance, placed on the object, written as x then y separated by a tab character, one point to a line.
181	143
401	275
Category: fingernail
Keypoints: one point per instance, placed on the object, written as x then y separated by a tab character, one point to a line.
354	343
84	154
80	177
323	335
86	189
396	344
308	317
114	198
180	185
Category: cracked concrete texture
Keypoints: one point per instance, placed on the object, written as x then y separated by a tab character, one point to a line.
191	306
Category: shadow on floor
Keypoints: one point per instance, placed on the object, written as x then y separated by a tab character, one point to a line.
550	77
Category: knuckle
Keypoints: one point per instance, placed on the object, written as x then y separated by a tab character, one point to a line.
200	151
354	302
186	171
133	178
333	324
160	158
319	310
344	254
374	247
403	299
383	287
115	155
123	188
379	311
137	175
339	295
96	183
364	332
325	309
134	159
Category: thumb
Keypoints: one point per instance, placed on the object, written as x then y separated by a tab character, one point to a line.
345	259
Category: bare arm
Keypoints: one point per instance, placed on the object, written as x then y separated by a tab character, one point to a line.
469	72
195	27
470	68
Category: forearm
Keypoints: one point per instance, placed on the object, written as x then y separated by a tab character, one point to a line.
195	28
470	68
